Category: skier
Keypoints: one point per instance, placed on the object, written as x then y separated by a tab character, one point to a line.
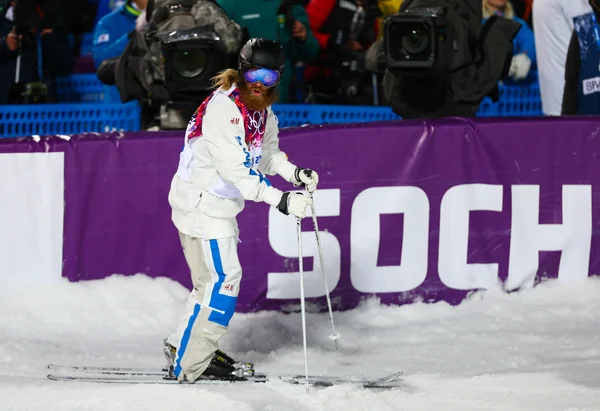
231	143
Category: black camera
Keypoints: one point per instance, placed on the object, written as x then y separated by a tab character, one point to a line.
191	58
170	64
417	39
441	60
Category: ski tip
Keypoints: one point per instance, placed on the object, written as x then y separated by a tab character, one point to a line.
395	376
383	382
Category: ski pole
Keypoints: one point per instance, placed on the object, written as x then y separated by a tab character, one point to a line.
302	306
334	336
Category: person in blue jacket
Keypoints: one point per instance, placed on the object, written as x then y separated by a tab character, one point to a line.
581	92
111	32
524	58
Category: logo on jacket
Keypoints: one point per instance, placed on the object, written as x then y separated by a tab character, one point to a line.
591	85
235	120
103	38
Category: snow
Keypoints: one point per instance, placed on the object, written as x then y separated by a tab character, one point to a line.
536	349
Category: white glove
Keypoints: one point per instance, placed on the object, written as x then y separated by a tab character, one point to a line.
141	24
306	178
519	66
294	204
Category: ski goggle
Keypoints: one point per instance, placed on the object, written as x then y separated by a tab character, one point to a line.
266	77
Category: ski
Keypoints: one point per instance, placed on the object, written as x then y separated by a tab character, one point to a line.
155	376
326	381
147	379
106	370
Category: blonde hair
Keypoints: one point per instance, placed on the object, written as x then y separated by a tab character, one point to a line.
488	11
225	79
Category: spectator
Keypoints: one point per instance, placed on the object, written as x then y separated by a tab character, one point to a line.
341	26
524	58
553	26
345	29
111	36
112	31
280	21
56	49
582	88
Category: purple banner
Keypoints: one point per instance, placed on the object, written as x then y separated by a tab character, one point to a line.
413	210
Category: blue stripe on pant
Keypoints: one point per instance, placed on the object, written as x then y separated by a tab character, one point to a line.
225	304
222	306
186	339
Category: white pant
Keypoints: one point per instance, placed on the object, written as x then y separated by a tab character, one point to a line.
216	275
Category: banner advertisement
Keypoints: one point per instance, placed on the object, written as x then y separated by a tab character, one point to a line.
407	211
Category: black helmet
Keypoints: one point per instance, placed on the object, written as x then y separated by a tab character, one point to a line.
262	53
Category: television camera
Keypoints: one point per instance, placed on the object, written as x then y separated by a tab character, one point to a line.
441	60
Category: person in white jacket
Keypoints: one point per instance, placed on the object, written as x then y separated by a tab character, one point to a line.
231	145
553	25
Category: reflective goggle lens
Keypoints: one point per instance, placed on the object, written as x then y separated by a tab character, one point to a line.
266	77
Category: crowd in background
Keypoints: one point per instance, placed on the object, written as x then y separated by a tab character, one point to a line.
325	42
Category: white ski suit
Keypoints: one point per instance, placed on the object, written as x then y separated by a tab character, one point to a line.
228	150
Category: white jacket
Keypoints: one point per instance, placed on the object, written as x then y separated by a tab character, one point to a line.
228	150
553	25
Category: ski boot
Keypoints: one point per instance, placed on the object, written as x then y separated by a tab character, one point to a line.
222	370
245	369
217	370
242	369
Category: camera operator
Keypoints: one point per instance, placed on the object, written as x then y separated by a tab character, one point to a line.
441	61
284	21
345	29
32	30
171	56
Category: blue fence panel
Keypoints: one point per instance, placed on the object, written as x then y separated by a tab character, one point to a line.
102	110
515	100
44	119
291	115
79	88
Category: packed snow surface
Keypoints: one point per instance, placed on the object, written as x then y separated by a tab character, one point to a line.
537	349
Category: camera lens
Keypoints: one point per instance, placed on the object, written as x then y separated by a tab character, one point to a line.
189	63
415	39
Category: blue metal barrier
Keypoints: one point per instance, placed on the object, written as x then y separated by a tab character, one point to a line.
515	100
79	88
44	119
101	111
292	115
